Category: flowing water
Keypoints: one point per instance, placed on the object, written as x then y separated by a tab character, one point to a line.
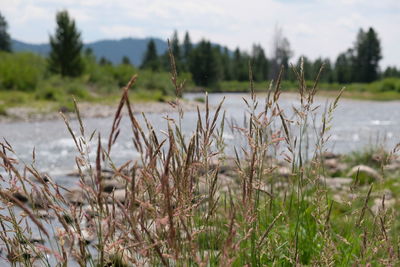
356	125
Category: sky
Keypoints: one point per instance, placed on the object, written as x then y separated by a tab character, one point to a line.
313	27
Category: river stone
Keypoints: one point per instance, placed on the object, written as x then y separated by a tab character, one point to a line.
36	240
334	165
330	155
38	200
377	206
76	196
337	183
284	171
20	195
367	171
118	195
111	185
44	214
393	166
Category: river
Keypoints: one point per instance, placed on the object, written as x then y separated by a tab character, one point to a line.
356	125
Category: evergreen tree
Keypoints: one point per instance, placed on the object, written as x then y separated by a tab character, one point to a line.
176	51
187	49
316	66
343	67
240	66
259	64
150	59
226	65
204	65
5	43
391	72
327	72
308	68
368	55
103	61
66	46
126	60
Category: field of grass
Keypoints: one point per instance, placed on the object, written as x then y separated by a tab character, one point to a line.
185	202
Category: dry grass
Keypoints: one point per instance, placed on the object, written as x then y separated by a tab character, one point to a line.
186	203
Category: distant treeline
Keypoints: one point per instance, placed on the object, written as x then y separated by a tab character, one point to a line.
209	64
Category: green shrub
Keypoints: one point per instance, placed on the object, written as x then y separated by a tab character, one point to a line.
49	93
123	73
150	80
77	89
146	95
21	71
3	110
388	84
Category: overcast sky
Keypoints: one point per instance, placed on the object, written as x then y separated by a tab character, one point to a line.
313	27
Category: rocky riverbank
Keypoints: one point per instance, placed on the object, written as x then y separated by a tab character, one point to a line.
343	177
93	110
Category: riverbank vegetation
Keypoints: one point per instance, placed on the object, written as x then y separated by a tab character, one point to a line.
192	199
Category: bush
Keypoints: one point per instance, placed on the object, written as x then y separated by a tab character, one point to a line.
123	73
388	84
49	93
150	80
59	89
21	71
3	110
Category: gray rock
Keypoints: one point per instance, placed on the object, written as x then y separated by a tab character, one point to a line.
368	171
377	206
111	185
20	195
118	195
337	183
76	196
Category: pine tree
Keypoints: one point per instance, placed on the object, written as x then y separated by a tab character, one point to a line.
308	67
226	65
5	43
150	59
204	64
240	66
187	49
104	62
391	72
327	72
176	51
126	61
343	67
66	46
259	64
368	55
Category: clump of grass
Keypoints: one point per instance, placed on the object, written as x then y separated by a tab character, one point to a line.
175	205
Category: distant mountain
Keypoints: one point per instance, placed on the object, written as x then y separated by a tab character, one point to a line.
18	46
133	48
113	50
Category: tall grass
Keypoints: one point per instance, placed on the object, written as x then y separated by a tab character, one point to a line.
185	202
